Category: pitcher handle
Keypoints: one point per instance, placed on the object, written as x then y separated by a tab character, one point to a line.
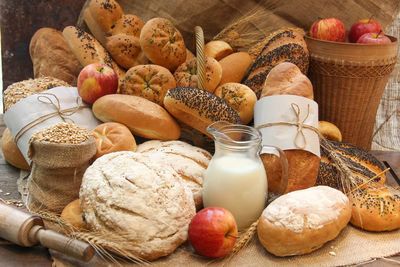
285	167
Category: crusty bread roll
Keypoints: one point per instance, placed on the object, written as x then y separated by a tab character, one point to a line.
234	67
240	97
124	49
88	50
286	44
128	24
217	49
112	137
330	131
186	74
106	13
375	209
303	170
11	152
149	81
188	161
198	108
302	221
139	204
141	116
72	214
51	56
189	55
287	79
162	43
362	165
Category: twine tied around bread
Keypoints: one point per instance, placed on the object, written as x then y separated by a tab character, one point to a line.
299	123
52	99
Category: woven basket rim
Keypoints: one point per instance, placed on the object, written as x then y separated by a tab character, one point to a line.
392	38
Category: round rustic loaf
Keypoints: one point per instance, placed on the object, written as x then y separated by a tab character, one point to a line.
375	209
139	202
149	81
188	161
198	108
11	152
141	116
240	97
162	43
304	220
112	137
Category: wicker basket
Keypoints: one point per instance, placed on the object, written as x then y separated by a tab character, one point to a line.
349	80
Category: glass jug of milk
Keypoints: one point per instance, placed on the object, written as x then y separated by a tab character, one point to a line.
235	178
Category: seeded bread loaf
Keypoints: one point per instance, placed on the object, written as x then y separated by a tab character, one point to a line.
188	161
304	220
140	204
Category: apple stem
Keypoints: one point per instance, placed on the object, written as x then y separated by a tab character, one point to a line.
378	33
232	236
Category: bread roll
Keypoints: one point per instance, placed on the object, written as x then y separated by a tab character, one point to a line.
188	161
11	152
149	81
217	49
375	209
72	214
124	49
302	221
186	74
287	79
141	116
234	67
162	43
239	97
112	137
51	56
330	131
198	108
282	45
128	24
362	164
106	13
139	204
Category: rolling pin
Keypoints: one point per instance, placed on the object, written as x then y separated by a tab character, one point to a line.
28	230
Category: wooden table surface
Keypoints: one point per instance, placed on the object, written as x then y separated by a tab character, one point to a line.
13	255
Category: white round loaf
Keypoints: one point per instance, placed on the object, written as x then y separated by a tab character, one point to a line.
302	221
139	200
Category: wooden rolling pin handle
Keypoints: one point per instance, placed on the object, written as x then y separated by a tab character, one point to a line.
69	246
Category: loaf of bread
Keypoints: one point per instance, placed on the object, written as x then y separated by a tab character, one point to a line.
149	81
52	57
25	88
217	49
112	137
234	67
302	221
375	209
188	161
198	108
240	97
143	117
362	165
72	214
330	131
11	152
128	24
139	204
186	74
162	43
282	45
287	79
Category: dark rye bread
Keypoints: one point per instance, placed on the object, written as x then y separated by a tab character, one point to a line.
283	45
198	108
362	164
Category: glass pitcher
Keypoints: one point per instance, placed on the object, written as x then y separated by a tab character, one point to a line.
235	178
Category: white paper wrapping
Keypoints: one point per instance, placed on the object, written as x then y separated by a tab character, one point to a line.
34	107
283	108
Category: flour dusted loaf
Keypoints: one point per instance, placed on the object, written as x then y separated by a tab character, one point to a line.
137	201
188	161
302	221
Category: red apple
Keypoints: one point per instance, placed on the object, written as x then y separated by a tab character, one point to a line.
329	29
373	38
213	232
96	80
363	26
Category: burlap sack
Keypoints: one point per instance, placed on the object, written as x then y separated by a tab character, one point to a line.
57	171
